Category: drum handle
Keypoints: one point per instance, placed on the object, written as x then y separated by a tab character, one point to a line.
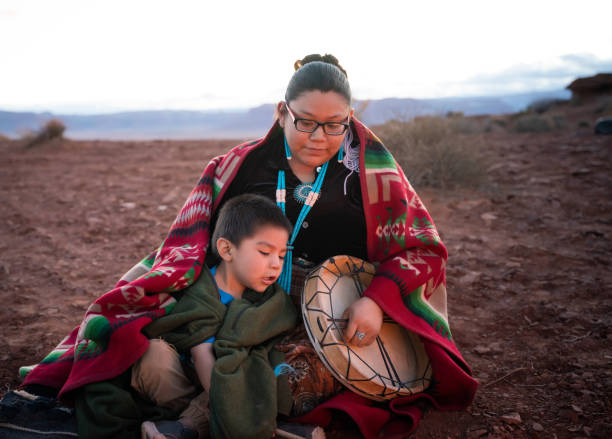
329	319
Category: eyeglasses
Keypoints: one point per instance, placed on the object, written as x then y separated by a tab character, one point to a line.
310	126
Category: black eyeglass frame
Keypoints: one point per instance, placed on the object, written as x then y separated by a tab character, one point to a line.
346	125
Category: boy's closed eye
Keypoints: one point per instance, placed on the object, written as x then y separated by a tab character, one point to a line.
282	257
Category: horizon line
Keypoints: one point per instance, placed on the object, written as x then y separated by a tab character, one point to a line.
119	110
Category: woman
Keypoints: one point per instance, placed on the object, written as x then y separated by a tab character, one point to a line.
364	207
344	194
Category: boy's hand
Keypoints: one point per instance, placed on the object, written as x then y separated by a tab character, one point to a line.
203	361
364	322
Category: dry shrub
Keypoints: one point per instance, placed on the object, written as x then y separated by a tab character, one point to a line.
52	129
530	123
559	122
466	125
361	107
458	123
543	105
432	154
604	105
495	124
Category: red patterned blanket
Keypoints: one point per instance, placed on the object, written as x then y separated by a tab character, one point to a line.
409	284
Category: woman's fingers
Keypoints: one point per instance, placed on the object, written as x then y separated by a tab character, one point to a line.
351	327
365	319
364	335
369	338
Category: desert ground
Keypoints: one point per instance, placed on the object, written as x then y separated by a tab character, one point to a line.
528	274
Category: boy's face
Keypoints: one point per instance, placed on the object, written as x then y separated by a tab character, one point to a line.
257	262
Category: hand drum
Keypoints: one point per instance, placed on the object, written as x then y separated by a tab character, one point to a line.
394	365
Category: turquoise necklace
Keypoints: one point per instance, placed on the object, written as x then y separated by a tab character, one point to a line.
281	193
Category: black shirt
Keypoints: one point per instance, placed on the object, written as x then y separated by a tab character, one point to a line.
336	223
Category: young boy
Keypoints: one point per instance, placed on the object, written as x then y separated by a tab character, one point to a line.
250	240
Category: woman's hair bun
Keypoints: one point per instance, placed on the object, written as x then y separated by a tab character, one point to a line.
327	58
318	72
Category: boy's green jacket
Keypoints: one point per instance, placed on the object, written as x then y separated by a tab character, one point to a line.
245	395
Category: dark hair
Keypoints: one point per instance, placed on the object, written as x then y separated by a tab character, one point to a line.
241	216
316	72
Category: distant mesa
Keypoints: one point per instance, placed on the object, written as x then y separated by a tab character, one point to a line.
593	86
255	122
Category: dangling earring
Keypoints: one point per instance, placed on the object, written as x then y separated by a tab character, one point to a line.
287	150
341	151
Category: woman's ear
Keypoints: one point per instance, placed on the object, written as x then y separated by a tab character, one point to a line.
351	113
281	113
224	248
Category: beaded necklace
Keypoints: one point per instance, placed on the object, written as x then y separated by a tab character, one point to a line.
281	193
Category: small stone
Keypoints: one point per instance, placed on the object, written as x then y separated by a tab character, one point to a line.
512	418
170	196
570	415
496	347
566	315
468	204
537	427
162	207
488	218
469	277
477	433
496	166
480	349
128	205
577	387
581	171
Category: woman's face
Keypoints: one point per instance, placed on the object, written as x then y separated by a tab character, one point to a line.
310	150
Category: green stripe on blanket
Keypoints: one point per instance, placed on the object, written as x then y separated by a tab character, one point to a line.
379	160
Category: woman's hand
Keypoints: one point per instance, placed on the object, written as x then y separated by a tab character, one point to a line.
364	317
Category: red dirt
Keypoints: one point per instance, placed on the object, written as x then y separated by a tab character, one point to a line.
528	274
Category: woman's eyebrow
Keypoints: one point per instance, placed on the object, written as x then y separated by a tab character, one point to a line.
311	115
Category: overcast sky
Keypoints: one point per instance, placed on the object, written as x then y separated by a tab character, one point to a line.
97	56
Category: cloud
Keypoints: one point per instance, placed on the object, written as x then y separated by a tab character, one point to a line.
550	74
588	61
4	13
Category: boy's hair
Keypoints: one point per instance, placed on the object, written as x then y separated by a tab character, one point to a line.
241	216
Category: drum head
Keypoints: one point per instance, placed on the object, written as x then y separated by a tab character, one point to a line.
394	365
